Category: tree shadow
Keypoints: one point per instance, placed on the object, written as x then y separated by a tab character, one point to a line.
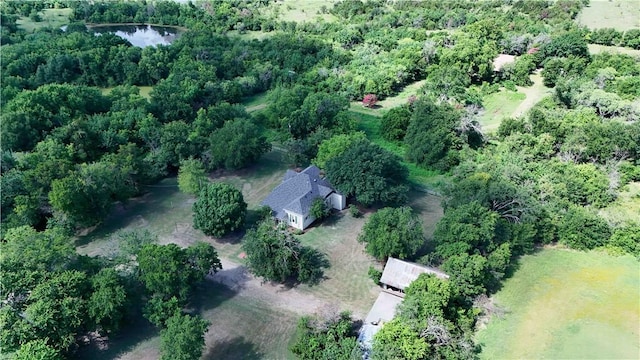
127	339
231	349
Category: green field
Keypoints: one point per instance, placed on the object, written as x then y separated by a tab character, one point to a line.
498	106
597	49
617	14
307	10
563	304
50	18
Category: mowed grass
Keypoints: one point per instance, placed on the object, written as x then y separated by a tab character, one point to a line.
498	106
50	18
598	49
626	208
382	106
565	304
617	14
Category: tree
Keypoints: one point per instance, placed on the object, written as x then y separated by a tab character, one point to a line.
319	209
394	123
37	350
396	340
237	144
327	335
191	176
168	271
468	273
183	339
108	301
219	209
583	230
369	100
626	238
335	146
432	137
57	308
276	255
395	232
466	229
370	173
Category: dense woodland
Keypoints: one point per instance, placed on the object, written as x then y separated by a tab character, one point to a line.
70	152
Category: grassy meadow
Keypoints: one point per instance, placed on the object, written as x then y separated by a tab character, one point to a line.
563	304
617	14
50	18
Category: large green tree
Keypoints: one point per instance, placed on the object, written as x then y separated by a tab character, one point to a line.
328	335
237	144
395	232
276	255
219	209
370	173
183	339
168	270
191	176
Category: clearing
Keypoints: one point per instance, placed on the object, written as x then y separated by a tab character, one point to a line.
597	49
626	208
50	18
145	91
617	14
301	11
506	103
399	99
563	304
250	319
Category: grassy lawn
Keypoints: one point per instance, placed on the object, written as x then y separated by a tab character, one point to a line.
617	14
369	123
564	304
145	91
597	49
626	207
307	10
498	106
50	18
392	101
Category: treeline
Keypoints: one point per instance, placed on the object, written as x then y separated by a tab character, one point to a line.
54	297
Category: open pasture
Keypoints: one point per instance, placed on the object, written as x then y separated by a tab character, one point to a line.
563	304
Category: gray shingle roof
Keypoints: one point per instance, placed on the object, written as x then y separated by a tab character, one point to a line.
297	192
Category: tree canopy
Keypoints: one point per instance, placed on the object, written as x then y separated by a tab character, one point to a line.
219	209
369	173
392	232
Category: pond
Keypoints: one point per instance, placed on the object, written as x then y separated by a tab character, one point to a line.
141	35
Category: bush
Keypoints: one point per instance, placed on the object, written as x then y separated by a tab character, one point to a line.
374	274
354	211
219	210
583	230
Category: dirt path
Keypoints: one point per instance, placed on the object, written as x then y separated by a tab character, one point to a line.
240	280
534	94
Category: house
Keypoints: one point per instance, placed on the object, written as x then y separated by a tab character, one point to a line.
396	277
291	200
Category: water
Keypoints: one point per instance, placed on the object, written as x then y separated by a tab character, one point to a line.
141	35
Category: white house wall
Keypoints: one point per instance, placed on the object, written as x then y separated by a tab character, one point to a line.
337	201
298	221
